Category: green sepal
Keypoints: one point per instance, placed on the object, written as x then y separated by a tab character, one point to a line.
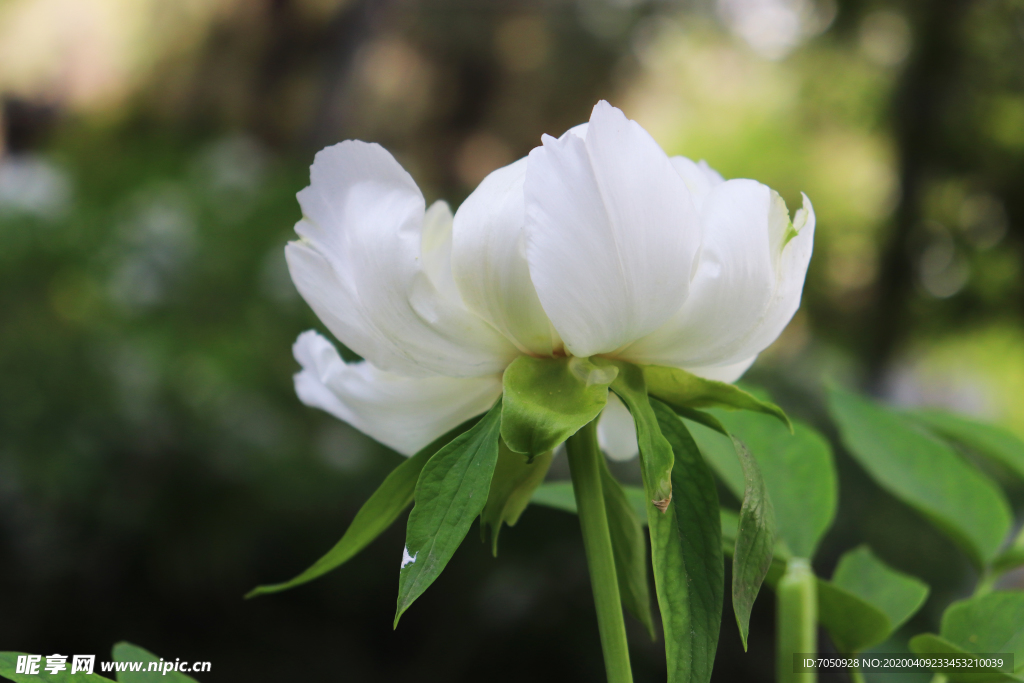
450	493
656	457
629	548
547	400
681	389
127	652
755	541
9	664
379	512
686	550
515	478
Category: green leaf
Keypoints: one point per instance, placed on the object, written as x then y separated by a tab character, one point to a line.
555	494
797	467
686	546
126	652
515	478
755	541
1007	560
720	452
547	400
377	514
451	491
867	600
730	527
896	594
853	623
629	549
930	644
994	442
681	389
559	495
925	474
702	417
655	452
9	664
992	623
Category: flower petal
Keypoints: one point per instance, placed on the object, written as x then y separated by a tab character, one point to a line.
611	233
700	178
792	245
404	413
368	270
724	373
746	286
616	430
489	262
732	284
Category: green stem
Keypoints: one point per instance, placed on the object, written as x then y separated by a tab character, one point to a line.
585	466
939	678
797	620
856	675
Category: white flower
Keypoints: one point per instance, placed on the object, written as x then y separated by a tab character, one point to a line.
597	243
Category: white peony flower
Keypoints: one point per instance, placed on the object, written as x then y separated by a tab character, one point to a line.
597	243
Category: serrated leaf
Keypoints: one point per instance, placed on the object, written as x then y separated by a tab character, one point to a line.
755	541
515	478
127	652
896	594
629	549
992	441
655	452
924	473
379	512
686	546
853	623
547	400
797	467
9	665
681	389
450	493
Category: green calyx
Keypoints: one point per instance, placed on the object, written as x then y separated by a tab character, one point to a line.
547	400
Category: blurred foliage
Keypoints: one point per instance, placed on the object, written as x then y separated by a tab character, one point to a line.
154	462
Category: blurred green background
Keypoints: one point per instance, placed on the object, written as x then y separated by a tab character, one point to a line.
155	464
